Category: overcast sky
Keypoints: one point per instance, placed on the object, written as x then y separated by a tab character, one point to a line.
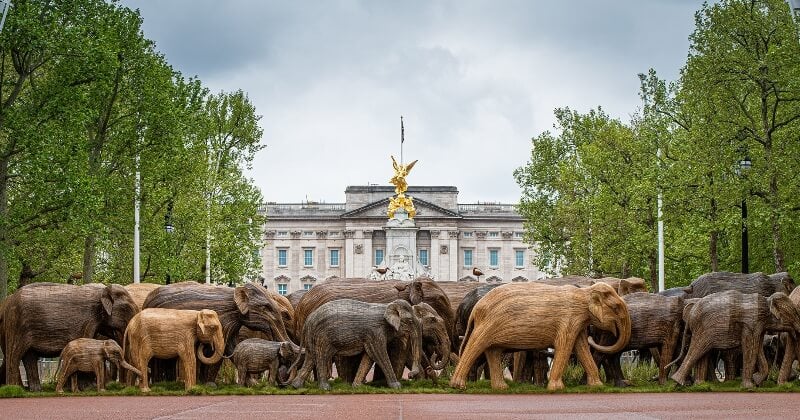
474	80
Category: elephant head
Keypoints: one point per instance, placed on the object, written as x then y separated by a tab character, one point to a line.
209	331
259	311
434	335
400	316
426	290
607	311
113	353
118	309
785	312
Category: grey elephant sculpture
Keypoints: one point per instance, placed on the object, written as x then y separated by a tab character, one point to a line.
656	322
733	320
39	320
254	356
89	355
347	327
435	341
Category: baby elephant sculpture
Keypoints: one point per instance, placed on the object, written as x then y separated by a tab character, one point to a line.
89	355
167	333
255	355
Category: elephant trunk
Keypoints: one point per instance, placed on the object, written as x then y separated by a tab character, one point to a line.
217	346
416	351
293	368
128	366
623	333
442	353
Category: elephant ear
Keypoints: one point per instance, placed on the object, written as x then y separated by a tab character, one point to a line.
392	315
417	293
201	323
107	300
241	299
782	308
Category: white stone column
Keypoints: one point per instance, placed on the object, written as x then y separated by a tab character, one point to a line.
349	253
452	254
436	259
369	256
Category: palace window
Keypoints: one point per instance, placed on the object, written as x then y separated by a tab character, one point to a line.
308	257
519	258
334	258
423	257
283	289
307	286
467	234
282	252
378	256
467	258
494	257
494	234
282	234
308	234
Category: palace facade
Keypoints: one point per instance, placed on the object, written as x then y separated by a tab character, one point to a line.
310	242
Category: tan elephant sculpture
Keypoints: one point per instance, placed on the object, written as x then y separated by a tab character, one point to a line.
534	316
167	333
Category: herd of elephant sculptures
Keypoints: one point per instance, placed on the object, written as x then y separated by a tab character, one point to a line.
420	325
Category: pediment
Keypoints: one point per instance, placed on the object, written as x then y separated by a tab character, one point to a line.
425	210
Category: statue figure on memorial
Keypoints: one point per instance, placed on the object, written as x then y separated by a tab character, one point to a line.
400	186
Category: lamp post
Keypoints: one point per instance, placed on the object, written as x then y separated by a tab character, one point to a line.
169	228
4	6
745	165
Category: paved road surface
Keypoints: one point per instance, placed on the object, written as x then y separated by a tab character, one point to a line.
586	406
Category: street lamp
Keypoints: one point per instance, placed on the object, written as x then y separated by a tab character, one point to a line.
169	228
744	165
4	6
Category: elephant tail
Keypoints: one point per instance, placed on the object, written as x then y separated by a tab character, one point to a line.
687	334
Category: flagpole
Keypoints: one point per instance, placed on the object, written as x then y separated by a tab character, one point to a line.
402	139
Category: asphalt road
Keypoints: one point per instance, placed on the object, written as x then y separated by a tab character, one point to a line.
418	406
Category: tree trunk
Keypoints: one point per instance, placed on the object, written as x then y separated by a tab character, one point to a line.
26	275
3	233
88	258
652	263
712	250
777	250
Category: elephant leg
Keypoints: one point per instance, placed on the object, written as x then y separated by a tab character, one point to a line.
472	351
518	363
63	375
31	363
702	373
377	351
664	358
763	367
731	360
100	374
694	354
363	369
493	356
563	347
73	380
305	370
613	369
323	363
144	382
540	368
585	358
189	365
788	359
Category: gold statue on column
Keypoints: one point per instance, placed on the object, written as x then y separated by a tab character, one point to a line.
400	201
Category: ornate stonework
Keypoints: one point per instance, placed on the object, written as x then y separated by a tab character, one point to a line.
443	249
359	249
480	234
508	235
348	234
453	234
322	234
295	234
434	234
270	234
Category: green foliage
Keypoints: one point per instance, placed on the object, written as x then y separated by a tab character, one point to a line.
12	391
589	191
86	102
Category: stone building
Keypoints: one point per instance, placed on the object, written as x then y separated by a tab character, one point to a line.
311	242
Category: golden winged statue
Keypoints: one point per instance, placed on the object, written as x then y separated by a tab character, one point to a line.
400	187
